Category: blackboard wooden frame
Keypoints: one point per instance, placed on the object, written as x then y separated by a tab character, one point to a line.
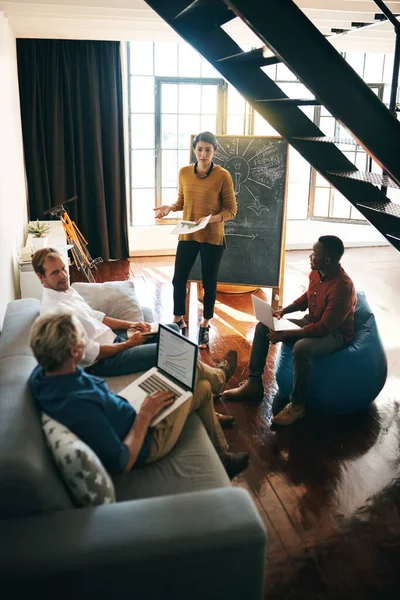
277	285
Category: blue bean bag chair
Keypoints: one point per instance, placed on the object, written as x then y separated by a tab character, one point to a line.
347	380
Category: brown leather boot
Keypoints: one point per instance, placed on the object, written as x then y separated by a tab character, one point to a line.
249	391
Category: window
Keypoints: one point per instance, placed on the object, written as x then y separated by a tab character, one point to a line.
325	201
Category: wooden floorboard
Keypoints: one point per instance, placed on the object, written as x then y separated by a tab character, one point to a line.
328	488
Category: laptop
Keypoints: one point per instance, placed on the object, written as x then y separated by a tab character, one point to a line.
175	371
263	312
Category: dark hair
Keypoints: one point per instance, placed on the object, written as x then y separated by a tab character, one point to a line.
205	136
40	256
333	246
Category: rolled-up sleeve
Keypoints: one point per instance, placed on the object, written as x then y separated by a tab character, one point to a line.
229	204
98	315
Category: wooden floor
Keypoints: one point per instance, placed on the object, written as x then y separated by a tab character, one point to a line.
327	489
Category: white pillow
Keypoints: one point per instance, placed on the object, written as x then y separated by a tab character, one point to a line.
114	298
83	473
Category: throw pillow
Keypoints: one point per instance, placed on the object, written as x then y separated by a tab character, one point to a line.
83	473
114	298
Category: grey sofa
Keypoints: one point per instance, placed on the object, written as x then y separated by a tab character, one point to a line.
179	530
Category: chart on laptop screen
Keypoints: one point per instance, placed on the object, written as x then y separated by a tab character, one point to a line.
176	356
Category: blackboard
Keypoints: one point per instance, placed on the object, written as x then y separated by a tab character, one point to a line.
254	238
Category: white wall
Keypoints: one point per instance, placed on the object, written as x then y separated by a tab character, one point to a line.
13	205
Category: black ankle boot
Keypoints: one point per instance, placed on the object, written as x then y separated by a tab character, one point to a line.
204	336
235	463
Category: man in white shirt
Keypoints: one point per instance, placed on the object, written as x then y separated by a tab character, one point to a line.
106	353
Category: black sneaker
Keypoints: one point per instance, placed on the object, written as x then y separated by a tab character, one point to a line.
235	463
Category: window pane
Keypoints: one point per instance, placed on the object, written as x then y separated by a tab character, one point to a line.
321	181
361	161
142	94
270	71
262	127
169	196
169	131
327	126
141	58
388	69
235	125
321	202
143	202
284	74
356	60
189	99
189	61
355	214
169	174
297	200
184	158
236	102
142	131
169	98
340	206
208	70
209	99
187	125
373	67
166	59
295	90
208	123
142	168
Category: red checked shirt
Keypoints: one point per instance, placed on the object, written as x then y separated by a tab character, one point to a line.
331	304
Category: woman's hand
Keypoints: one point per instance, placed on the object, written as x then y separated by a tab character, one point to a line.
154	403
162	211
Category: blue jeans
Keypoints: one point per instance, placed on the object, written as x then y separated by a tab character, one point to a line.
131	360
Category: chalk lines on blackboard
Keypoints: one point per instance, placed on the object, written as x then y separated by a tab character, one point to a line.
257	207
252	236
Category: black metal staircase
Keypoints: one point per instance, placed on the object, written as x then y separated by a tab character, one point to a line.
289	37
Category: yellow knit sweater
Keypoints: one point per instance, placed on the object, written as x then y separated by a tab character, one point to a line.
201	197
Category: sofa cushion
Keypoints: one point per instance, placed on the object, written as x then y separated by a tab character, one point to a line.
116	299
83	473
193	465
29	480
18	320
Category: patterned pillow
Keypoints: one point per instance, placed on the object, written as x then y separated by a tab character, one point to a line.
83	473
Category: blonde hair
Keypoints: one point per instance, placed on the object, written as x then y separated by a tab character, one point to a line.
52	337
40	256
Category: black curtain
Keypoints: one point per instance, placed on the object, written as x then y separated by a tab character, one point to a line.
72	123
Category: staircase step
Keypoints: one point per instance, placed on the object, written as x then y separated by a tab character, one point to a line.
330	140
205	12
291	101
395	236
386	208
374	178
260	57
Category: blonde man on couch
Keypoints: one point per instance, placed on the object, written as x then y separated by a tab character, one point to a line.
107	423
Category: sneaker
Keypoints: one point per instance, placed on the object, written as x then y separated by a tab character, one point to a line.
228	364
290	414
250	390
235	463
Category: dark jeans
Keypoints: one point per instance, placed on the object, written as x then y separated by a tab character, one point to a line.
304	350
131	360
186	255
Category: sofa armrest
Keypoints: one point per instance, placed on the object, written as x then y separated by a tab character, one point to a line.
200	545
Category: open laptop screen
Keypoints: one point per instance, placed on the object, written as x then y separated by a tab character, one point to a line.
177	356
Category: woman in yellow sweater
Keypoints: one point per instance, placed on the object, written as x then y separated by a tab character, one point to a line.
204	189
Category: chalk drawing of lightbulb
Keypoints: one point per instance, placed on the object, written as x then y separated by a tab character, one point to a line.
239	169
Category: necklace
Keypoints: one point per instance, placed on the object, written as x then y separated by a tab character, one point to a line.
203	176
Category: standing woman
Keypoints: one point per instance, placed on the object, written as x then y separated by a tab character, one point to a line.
204	189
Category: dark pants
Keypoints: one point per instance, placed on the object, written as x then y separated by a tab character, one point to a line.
304	350
186	255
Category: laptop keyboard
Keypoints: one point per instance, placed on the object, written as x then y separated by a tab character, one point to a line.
155	384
